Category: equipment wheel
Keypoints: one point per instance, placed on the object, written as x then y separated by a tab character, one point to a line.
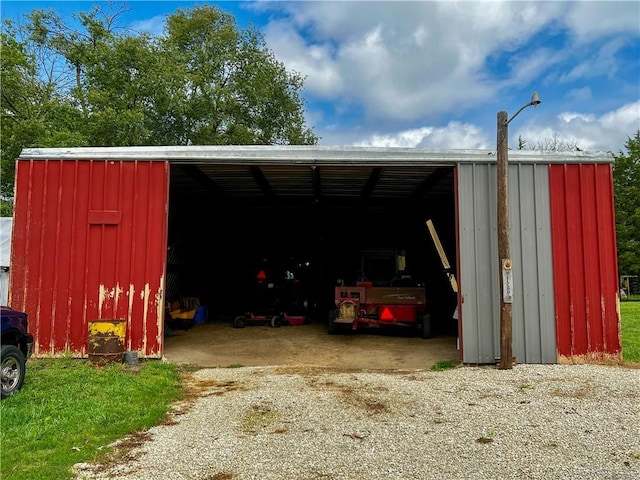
332	327
240	322
426	326
276	321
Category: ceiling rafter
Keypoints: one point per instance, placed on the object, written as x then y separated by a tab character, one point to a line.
203	180
264	185
430	182
372	181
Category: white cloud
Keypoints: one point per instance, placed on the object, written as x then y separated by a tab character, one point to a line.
454	135
312	61
154	25
400	73
568	117
602	18
402	60
626	117
602	62
608	132
580	94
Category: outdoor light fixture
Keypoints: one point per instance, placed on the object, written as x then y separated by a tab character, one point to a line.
535	101
506	265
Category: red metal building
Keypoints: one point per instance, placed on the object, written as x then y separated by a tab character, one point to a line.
93	227
584	262
90	243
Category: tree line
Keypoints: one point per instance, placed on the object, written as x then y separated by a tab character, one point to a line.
626	189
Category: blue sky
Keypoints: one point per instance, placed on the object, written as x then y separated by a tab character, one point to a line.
436	73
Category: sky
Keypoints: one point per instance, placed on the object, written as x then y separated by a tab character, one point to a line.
435	74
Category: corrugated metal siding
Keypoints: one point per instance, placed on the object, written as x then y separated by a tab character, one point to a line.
530	241
585	262
4	287
90	242
478	276
6	226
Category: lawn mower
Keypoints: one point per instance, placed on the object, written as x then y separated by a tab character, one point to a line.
278	299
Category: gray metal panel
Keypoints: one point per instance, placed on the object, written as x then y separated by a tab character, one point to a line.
478	253
534	338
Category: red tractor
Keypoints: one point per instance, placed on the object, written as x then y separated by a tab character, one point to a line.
383	296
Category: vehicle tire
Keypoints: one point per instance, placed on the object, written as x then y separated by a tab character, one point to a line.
276	321
426	326
332	327
240	322
13	369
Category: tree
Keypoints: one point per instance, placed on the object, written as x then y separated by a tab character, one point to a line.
555	143
16	77
204	81
124	86
32	114
226	86
626	187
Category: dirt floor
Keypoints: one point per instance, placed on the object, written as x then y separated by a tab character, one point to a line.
219	344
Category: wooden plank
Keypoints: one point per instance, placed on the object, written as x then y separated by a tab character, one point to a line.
443	256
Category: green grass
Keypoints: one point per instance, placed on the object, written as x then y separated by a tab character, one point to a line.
630	326
445	365
69	410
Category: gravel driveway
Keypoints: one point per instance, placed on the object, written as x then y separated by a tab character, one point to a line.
303	423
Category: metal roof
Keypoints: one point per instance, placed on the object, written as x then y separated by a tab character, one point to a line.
276	176
306	155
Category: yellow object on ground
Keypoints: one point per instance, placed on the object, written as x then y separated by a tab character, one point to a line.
183	314
106	341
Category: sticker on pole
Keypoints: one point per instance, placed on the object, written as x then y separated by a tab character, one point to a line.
507	281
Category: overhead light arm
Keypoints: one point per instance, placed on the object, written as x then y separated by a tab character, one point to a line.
535	101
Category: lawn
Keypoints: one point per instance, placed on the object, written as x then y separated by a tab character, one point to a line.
630	319
69	410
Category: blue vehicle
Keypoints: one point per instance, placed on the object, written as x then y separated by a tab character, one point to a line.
17	345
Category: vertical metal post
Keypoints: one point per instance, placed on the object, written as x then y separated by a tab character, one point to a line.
505	275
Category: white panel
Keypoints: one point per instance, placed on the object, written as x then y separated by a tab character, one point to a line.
4	287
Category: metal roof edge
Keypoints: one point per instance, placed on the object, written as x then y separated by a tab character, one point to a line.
306	154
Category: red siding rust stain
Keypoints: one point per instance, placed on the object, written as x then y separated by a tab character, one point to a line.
89	243
585	261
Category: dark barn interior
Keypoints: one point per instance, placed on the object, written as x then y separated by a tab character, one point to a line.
227	222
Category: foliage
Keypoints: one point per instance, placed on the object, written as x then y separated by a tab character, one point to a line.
445	365
626	186
16	111
630	320
69	410
225	86
556	143
203	82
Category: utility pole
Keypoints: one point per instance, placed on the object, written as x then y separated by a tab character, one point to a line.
504	255
506	277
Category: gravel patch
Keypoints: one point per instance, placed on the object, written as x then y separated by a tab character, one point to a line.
304	423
